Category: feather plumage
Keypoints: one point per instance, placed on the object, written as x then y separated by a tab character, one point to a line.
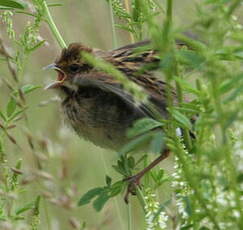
96	104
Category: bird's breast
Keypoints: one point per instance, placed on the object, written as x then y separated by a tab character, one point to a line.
99	117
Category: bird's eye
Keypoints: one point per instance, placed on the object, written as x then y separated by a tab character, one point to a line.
74	68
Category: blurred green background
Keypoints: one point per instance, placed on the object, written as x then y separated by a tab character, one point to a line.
62	166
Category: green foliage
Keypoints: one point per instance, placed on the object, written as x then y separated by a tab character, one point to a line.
13	4
135	20
143	132
206	180
102	194
142	126
25	43
213	105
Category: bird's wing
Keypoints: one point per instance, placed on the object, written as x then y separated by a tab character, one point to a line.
137	62
107	83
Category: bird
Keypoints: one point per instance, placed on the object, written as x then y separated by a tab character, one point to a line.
97	106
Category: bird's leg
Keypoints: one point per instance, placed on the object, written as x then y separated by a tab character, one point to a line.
134	180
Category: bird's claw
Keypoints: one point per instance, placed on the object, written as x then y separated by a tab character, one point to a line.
133	182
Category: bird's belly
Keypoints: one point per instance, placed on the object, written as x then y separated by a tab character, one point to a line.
105	124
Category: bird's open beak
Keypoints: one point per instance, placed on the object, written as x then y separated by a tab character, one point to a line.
51	66
60	79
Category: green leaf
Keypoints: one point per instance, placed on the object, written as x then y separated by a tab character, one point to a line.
167	63
142	126
38	45
119	170
18	218
240	178
108	180
88	196
186	86
181	118
5	8
189	226
123	27
25	208
29	88
26	89
13	4
135	144
120	167
230	84
11	107
141	159
230	118
187	110
16	113
204	228
239	54
236	92
116	188
3	116
131	162
100	201
188	207
36	209
158	176
190	57
119	10
157	142
54	4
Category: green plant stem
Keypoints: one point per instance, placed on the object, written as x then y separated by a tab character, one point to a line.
141	198
233	7
127	5
53	27
114	36
193	184
116	199
194	44
128	11
233	184
169	10
47	216
129	212
230	164
179	94
186	136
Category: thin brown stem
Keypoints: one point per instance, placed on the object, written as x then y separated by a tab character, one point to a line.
139	175
135	179
4	52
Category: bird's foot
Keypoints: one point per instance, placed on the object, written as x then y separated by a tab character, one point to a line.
133	183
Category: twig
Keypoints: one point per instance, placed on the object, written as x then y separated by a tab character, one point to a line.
4	52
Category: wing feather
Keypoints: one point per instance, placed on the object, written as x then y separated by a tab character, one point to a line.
88	81
137	65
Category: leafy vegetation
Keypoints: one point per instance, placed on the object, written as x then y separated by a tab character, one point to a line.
202	186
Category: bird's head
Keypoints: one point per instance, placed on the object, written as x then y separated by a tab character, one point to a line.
69	65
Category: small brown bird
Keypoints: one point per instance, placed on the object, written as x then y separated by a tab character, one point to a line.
96	105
